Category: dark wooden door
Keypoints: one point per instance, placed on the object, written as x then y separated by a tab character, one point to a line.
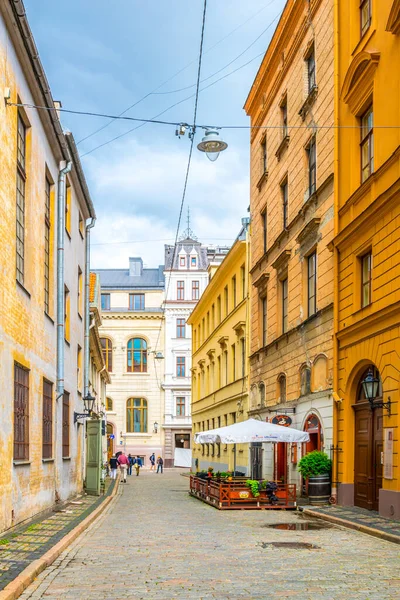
256	460
367	456
281	461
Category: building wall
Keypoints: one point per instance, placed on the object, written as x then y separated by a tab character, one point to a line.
307	341
119	328
27	334
221	399
368	219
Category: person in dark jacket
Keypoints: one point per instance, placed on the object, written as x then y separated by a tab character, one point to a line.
130	457
137	463
160	464
113	466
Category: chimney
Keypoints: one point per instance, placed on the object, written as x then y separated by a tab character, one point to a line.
135	266
57	106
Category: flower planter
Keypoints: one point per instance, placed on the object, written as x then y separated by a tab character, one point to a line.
319	489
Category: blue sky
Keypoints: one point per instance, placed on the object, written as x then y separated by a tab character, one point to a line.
104	59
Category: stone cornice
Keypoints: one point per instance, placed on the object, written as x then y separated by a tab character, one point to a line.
282	261
393	24
133	317
262	280
309	230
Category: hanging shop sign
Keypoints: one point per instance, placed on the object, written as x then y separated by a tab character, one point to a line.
283	420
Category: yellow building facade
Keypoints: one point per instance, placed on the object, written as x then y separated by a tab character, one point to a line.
367	252
219	359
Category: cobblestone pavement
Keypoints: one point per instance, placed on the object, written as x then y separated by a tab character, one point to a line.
156	542
25	543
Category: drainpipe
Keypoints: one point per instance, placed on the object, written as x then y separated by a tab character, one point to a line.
60	277
87	307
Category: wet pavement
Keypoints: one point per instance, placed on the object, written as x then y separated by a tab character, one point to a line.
156	542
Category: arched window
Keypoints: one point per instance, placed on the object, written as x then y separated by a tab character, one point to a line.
305	381
106	345
261	388
136	415
137	356
282	388
109	404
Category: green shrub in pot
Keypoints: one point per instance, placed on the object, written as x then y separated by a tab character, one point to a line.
314	463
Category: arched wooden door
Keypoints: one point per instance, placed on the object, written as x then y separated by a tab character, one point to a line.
368	448
110	441
313	427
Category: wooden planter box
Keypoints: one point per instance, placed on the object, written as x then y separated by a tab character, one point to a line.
236	494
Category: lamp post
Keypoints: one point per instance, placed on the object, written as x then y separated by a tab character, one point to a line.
88	402
212	144
371	388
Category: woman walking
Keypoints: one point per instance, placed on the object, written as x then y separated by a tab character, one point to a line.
113	466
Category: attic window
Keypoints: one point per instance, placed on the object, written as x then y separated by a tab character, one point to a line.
182	261
193	261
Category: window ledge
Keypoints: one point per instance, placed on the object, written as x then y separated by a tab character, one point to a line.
140	374
47	460
49	317
262	180
20	463
23	288
282	147
66	458
309	101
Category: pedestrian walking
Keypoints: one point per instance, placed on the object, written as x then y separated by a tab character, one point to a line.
130	458
152	462
123	462
113	466
138	463
160	464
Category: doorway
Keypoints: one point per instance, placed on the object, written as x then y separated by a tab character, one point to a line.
256	460
281	462
182	440
368	449
313	427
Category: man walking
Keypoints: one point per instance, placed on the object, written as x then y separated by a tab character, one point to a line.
113	466
123	462
130	458
160	464
152	462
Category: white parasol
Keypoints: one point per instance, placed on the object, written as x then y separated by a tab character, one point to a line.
249	431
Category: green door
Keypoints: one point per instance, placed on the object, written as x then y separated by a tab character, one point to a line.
93	456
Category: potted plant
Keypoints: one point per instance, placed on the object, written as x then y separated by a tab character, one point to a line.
316	467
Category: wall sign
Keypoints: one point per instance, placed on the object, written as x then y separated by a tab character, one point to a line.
283	420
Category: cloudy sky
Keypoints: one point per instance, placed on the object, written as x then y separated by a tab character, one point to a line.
105	56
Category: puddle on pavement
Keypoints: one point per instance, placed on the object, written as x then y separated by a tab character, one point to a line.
303	526
290	545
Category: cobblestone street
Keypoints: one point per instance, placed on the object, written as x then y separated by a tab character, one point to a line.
156	542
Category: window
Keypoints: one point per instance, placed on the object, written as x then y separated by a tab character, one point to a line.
47	420
195	290
264	155
105	302
180	366
67	313
284	192
366	279
180	328
136	301
109	404
21	181
234	291
264	230
136	415
284	119
107	353
68	194
213	317
180	406
182	261
365	16
208	323
233	362
219	309
282	388
226	301
367	144
47	236
193	261
243	352
80	292
21	412
137	356
305	381
284	288
65	425
312	284
264	320
311	71
243	280
79	370
81	225
180	290
312	166
219	372
261	389
226	373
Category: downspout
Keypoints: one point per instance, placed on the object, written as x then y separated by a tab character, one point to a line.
87	307
60	277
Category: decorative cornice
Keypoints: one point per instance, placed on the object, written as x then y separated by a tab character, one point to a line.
262	180
239	327
393	24
133	317
309	230
201	363
281	262
309	101
262	280
358	82
223	340
282	146
210	353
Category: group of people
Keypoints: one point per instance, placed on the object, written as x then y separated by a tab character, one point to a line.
125	464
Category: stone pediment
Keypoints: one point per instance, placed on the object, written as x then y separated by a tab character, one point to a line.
309	231
282	261
262	280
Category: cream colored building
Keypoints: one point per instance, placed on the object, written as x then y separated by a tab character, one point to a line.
132	333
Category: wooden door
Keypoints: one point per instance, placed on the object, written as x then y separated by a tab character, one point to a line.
256	460
281	461
367	456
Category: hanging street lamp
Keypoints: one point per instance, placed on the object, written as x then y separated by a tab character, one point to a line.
371	389
212	144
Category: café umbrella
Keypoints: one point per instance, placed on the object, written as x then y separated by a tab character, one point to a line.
251	431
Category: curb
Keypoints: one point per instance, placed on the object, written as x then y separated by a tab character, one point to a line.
350	525
14	589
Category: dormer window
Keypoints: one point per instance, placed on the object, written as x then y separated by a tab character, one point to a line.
193	261
182	261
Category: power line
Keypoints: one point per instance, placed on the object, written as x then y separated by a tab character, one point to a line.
153	92
151	241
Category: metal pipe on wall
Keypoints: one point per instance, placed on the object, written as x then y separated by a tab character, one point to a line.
60	276
87	307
